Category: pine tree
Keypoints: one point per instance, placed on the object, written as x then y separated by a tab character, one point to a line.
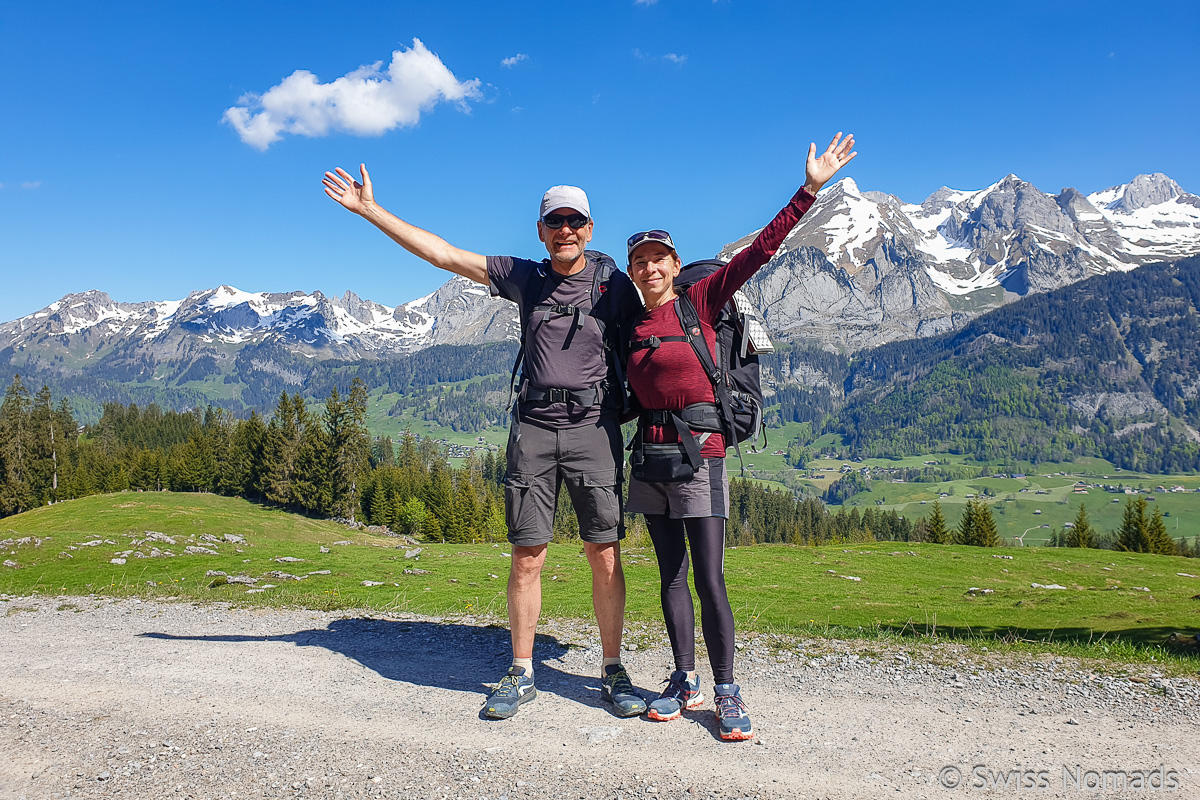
310	486
282	444
195	468
349	447
966	526
43	450
144	470
1082	534
935	529
986	534
1134	534
1156	532
247	455
383	453
16	492
438	496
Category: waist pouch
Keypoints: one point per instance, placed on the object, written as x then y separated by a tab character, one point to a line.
661	463
667	462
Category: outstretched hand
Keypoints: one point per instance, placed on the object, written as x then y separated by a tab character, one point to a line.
818	171
354	196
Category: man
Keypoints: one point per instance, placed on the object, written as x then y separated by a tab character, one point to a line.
574	307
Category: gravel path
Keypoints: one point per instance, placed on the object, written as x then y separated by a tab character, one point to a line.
102	698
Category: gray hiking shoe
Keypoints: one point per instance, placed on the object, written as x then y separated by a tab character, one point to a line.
679	695
513	690
732	713
617	689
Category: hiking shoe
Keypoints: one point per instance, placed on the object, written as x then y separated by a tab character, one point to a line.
732	714
680	693
513	690
617	689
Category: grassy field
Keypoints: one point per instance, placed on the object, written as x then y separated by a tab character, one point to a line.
380	424
1030	507
878	589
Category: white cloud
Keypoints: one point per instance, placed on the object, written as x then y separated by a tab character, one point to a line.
31	184
644	2
369	101
512	61
674	58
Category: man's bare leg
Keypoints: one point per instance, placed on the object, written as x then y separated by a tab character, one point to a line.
525	597
608	594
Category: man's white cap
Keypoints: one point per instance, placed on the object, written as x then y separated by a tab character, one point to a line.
564	197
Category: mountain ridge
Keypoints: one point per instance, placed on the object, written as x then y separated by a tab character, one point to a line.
863	268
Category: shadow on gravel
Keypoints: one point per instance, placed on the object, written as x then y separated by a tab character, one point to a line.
462	658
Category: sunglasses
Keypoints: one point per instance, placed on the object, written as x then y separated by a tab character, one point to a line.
645	236
641	238
556	221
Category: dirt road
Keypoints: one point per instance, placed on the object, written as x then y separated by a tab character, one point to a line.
147	700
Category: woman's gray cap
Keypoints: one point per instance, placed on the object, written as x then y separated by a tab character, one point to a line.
565	197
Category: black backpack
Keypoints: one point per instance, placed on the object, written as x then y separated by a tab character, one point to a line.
600	311
741	337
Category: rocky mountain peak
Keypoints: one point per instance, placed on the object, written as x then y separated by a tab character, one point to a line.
1144	191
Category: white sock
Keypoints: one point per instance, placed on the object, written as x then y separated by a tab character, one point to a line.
606	663
527	663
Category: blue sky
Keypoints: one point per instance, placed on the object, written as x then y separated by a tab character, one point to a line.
120	171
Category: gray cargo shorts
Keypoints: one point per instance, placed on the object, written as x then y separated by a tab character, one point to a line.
587	458
705	495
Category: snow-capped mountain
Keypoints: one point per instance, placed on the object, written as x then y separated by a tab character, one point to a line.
222	319
864	268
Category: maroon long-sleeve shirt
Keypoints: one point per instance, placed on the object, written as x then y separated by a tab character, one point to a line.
670	377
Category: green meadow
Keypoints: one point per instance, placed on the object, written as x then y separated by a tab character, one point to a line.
1122	599
1028	508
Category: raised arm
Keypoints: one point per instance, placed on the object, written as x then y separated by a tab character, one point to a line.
711	293
360	198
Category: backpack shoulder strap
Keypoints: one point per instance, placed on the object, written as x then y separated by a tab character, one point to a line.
689	319
533	289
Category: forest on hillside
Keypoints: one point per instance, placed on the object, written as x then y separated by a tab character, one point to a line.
1107	367
325	463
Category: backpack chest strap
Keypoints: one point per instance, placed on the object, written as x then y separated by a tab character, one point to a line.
566	310
654	342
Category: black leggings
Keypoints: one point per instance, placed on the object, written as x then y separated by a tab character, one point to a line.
707	538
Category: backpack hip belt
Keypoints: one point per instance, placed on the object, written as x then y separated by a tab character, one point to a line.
705	417
593	396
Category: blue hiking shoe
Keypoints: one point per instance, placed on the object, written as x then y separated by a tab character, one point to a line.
513	690
732	714
617	689
680	693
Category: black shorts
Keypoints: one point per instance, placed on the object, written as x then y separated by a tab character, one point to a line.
587	458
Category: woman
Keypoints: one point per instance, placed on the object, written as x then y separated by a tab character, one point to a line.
666	375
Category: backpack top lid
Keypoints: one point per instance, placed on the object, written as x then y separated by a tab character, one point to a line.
690	273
